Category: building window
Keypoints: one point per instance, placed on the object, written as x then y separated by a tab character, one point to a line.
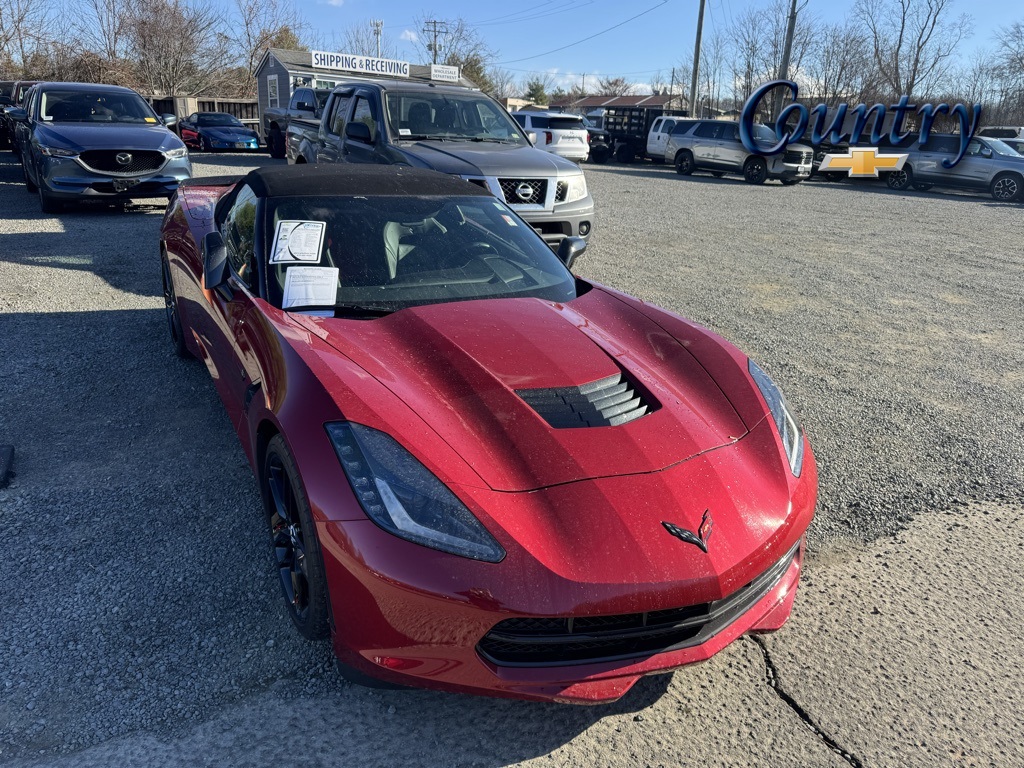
272	99
325	83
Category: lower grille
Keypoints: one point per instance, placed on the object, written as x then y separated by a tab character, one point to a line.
540	642
796	157
510	188
138	161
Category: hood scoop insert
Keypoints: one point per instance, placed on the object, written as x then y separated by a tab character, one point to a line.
608	402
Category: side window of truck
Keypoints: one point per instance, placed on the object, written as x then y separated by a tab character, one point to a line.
338	115
707	131
364	113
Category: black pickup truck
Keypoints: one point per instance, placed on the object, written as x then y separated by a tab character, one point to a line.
305	107
455	130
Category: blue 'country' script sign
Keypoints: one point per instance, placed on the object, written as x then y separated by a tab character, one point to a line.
968	119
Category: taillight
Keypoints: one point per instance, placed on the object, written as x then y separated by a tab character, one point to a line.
589	139
547	137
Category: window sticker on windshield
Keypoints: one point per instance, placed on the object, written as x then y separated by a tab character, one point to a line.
298	241
310	287
404	132
509	220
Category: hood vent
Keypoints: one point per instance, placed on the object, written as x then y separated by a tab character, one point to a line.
606	402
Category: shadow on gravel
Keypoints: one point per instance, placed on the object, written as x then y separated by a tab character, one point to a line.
201	161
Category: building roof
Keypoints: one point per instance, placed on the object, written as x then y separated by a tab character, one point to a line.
301	62
643	100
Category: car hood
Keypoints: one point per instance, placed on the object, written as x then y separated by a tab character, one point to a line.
228	133
463	368
467	158
107	136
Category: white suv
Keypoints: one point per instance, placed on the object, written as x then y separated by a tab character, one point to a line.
557	132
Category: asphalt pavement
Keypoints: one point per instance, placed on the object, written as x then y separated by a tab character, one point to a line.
142	622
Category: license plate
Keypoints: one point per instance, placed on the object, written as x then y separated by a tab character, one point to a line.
241	146
122	185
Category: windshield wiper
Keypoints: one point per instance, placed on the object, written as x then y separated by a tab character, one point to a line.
344	310
493	139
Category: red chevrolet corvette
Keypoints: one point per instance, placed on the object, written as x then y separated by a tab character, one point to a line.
482	473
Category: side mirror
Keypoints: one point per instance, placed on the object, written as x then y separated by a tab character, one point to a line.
358	132
986	152
17	114
570	249
304	106
168	119
215	264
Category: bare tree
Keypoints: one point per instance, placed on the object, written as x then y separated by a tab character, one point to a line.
178	46
913	42
255	26
361	39
657	83
504	83
535	89
614	86
840	66
21	31
459	44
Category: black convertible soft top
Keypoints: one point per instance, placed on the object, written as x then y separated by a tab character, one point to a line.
345	179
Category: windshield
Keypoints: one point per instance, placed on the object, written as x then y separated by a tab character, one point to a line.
1001	148
219	118
382	254
61	106
449	116
764	133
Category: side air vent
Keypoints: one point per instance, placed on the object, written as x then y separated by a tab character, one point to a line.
603	403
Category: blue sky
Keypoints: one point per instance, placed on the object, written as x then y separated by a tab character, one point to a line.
661	35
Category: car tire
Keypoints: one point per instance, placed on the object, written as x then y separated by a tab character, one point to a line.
1007	187
600	156
625	154
295	545
275	144
171	309
920	187
684	163
30	185
901	179
47	202
204	144
755	171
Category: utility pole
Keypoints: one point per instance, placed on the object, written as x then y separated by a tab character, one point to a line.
583	88
787	50
436	28
671	85
378	29
696	59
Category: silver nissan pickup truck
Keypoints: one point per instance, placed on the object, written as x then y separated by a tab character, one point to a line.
455	130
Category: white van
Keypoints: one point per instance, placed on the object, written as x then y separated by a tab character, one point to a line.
557	132
657	137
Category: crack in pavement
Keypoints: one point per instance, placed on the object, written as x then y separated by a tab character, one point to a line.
772	678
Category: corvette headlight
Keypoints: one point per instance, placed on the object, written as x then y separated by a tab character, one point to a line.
790	432
56	151
577	188
402	496
179	152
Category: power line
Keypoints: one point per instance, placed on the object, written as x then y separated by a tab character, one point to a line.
585	39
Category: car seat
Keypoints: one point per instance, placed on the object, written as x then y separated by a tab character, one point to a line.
420	122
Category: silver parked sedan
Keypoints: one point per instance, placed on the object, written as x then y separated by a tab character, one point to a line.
989	164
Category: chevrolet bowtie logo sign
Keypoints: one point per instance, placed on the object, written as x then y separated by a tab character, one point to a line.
862	162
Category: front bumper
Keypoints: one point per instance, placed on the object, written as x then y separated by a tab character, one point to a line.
414	616
244	144
65	179
565	220
781	170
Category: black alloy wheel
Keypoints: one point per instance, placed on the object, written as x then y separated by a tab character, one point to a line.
1006	187
296	549
901	179
755	171
171	310
275	144
204	144
684	163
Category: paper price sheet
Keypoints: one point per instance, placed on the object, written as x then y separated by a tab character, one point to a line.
310	287
297	242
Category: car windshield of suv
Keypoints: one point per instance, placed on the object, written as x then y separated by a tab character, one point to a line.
1001	148
369	256
418	115
764	133
219	119
65	106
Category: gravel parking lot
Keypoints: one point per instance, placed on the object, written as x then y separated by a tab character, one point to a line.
140	599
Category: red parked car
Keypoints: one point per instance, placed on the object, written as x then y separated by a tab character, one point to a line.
482	473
